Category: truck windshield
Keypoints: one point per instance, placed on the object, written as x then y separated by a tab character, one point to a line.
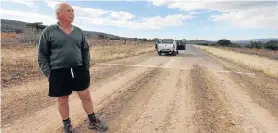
167	41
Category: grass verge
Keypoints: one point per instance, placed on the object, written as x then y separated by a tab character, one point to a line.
108	53
254	62
271	54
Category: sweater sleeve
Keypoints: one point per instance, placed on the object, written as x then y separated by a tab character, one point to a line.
43	54
85	52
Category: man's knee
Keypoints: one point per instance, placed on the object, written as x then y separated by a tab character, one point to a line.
63	100
85	96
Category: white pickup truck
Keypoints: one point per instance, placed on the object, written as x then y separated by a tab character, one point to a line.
167	46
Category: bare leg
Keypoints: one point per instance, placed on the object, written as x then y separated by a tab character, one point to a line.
94	123
86	99
63	106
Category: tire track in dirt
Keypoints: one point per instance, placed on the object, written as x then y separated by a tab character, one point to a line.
115	104
129	75
122	119
253	107
154	112
49	117
136	103
24	100
141	108
134	59
212	113
118	110
36	98
102	73
248	115
135	109
262	88
181	109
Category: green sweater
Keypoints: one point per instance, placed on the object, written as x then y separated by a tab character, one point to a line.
59	50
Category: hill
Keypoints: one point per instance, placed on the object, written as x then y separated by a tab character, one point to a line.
13	25
199	41
245	42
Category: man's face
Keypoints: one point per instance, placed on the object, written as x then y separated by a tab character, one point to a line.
66	13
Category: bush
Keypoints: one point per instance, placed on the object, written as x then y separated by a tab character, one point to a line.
224	42
255	44
214	44
272	45
204	44
234	45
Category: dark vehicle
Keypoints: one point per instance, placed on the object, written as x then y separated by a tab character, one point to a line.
181	44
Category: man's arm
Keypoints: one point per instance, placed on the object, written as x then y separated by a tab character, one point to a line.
85	52
43	54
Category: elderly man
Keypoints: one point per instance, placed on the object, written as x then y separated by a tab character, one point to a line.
63	57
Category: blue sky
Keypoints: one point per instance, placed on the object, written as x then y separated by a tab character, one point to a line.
162	19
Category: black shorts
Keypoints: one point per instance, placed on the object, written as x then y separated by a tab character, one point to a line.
63	81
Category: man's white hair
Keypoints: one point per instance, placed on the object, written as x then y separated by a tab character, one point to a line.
58	8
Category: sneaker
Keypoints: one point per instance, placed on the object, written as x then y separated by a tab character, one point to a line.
98	125
68	128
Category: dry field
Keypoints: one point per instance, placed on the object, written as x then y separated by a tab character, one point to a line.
260	52
19	63
254	62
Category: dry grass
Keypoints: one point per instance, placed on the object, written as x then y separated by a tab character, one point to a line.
254	62
107	53
260	52
19	63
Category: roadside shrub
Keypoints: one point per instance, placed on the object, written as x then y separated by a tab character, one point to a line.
255	44
234	45
272	45
224	42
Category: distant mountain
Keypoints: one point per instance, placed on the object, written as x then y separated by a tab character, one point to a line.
97	34
199	41
246	42
239	42
13	25
265	40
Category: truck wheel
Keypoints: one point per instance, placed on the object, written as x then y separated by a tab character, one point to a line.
159	53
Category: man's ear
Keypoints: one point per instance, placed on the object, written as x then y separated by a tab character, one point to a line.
57	14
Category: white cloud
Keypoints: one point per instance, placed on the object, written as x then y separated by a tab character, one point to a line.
123	19
88	12
145	23
193	13
30	3
121	15
84	17
79	11
51	3
250	14
31	17
255	18
214	5
26	16
161	22
160	2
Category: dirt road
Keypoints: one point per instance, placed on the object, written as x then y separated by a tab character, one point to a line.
192	92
